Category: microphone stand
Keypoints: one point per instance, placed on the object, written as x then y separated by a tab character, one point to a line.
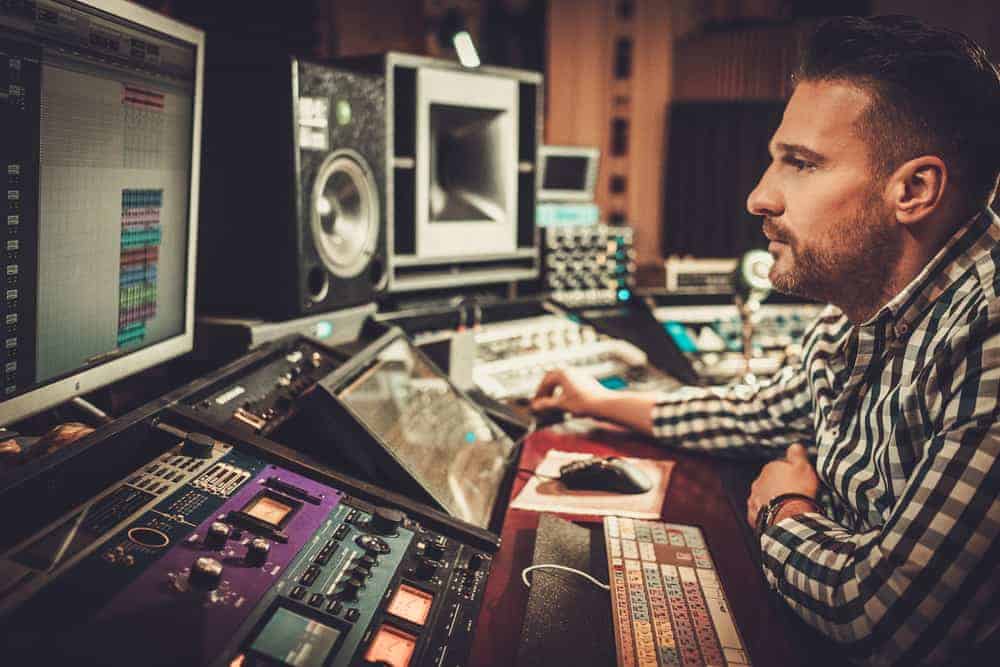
751	287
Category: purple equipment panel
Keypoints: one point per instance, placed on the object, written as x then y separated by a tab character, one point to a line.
173	616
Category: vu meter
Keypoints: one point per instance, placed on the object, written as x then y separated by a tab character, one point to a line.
411	604
392	647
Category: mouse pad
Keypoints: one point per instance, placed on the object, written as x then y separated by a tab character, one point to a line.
551	495
568	619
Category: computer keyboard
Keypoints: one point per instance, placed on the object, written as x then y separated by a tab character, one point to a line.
666	597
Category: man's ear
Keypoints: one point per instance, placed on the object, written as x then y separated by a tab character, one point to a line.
916	188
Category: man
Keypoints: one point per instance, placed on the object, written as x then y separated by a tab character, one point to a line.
875	201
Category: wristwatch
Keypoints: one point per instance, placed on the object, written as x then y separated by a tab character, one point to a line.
765	517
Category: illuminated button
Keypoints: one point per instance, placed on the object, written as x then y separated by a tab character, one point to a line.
352	614
335	607
316	599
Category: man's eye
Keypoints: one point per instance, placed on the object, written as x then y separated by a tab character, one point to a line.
798	164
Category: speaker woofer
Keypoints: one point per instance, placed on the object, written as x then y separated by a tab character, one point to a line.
345	213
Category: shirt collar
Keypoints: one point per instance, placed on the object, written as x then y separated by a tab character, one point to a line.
972	243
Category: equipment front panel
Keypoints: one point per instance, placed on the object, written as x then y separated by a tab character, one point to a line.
207	555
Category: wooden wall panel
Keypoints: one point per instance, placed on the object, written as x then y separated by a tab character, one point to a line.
742	63
577	72
583	97
361	27
651	94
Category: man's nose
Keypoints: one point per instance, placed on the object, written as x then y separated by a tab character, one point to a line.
765	199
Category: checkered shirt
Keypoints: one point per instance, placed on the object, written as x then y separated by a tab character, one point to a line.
900	413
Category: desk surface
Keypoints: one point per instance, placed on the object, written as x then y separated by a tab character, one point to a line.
695	496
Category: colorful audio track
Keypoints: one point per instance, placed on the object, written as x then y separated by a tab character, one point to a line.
143	115
140	250
668	604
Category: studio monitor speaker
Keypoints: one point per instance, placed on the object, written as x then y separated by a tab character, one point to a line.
294	194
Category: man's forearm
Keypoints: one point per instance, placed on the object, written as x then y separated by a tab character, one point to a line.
628	408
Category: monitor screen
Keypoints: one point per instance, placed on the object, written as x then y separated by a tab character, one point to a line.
563	172
438	435
567	173
100	126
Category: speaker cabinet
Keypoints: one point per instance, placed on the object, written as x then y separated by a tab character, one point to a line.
294	193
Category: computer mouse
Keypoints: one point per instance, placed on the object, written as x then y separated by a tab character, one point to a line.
607	474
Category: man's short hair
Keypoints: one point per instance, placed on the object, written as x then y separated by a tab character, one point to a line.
934	92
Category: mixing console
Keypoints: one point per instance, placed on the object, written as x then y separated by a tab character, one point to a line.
384	413
265	391
589	263
710	336
211	555
668	604
512	357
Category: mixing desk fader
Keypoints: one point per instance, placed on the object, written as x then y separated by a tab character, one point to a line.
212	553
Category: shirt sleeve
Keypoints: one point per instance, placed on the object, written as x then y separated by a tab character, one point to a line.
920	587
773	414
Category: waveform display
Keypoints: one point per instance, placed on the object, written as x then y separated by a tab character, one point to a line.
140	252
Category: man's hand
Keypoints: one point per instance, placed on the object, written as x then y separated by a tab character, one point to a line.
793	474
571	391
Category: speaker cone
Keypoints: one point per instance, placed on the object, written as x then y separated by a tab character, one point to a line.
345	213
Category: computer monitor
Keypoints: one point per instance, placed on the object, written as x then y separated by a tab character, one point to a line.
567	173
99	147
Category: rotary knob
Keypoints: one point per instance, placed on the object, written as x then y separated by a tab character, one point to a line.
426	568
257	552
351	587
368	561
475	562
435	548
217	535
359	572
385	521
372	545
198	445
206	573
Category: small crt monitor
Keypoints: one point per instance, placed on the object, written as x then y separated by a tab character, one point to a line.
567	173
99	154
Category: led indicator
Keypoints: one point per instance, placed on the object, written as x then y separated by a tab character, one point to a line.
323	329
342	111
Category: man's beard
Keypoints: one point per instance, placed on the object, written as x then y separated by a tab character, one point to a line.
851	267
